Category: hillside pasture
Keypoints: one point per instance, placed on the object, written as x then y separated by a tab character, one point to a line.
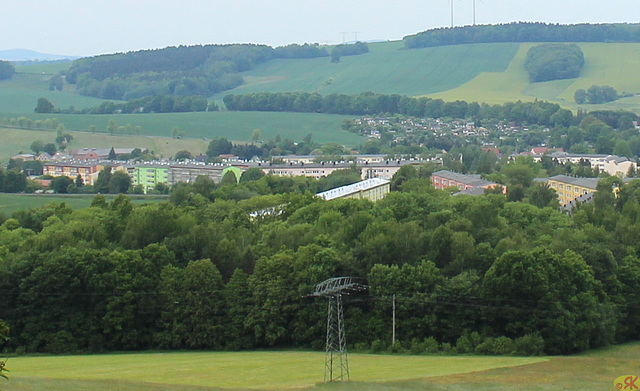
612	64
20	93
388	68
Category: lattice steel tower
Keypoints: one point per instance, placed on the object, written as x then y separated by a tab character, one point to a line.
336	363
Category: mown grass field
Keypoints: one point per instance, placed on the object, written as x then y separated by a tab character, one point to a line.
10	203
595	370
258	370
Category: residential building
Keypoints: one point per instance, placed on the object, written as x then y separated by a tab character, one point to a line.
148	175
189	171
384	169
611	164
88	170
373	189
570	188
445	179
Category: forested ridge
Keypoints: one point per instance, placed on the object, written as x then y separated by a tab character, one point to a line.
183	70
525	32
474	274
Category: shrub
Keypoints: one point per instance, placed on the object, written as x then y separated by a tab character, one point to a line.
501	346
378	346
529	345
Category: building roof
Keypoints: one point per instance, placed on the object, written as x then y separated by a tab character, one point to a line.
471	180
343	191
589	183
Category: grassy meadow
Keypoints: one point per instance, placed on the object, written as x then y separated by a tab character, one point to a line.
594	370
239	370
20	93
10	203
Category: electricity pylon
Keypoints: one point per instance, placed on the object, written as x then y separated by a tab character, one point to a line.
336	363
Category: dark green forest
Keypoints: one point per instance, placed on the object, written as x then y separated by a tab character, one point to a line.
553	61
183	70
525	32
204	271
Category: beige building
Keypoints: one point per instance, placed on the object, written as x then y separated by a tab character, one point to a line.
88	170
570	188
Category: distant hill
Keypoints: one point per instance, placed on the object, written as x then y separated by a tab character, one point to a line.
23	55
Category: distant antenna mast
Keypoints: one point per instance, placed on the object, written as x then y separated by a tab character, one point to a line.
336	364
474	12
451	2
344	39
355	34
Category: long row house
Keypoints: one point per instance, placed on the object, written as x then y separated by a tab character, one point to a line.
149	174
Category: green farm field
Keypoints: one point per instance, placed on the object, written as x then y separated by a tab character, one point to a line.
388	68
612	64
593	370
10	203
235	126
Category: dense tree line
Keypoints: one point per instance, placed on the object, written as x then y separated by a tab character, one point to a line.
183	70
348	50
596	95
369	103
210	271
154	104
301	51
525	32
7	70
554	61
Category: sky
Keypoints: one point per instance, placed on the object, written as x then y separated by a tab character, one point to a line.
91	27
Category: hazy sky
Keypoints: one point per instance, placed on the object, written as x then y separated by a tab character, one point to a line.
88	27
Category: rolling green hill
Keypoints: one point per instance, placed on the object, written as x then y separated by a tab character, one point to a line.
20	93
387	68
489	72
610	64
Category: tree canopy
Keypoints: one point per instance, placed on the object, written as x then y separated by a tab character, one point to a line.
7	70
553	61
525	32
